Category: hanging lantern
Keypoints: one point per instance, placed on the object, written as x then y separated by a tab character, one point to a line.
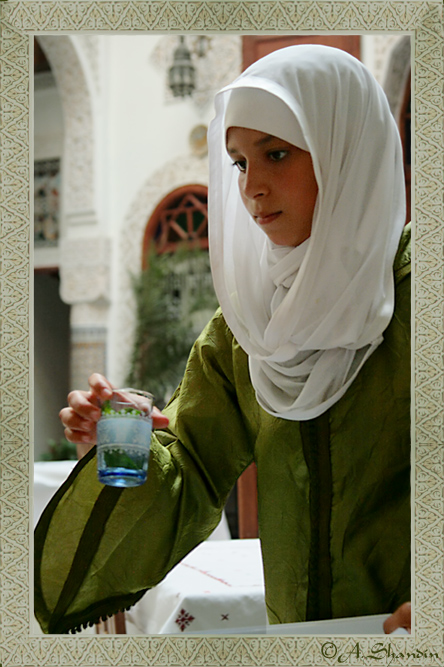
182	75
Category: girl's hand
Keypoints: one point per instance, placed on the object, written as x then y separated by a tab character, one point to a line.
401	618
83	412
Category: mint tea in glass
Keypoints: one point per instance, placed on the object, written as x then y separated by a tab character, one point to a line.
124	438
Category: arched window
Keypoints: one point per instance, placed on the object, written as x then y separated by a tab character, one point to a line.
181	217
174	291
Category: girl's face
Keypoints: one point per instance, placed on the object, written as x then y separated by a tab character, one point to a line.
277	184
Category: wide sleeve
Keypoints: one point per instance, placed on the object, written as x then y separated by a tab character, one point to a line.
99	548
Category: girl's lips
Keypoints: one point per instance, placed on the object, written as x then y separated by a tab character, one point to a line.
266	219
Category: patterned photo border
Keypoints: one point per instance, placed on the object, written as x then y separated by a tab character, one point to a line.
19	20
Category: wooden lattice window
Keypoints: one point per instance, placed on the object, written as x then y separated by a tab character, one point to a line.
181	217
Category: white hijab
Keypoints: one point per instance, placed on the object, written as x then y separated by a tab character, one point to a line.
309	317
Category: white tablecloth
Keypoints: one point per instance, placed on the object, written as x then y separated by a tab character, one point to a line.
48	476
218	587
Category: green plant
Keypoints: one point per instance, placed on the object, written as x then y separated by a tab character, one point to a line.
169	294
60	451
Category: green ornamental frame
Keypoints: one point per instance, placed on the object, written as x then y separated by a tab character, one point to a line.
19	21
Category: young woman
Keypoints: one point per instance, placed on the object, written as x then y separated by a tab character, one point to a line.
305	369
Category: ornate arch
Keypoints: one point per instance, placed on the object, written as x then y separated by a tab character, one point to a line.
74	64
75	91
181	216
175	174
84	268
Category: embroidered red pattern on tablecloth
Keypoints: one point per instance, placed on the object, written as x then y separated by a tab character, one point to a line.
184	619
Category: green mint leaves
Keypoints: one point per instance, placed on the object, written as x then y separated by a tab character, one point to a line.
108	411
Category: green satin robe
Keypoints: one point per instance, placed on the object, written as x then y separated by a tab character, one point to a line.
334	492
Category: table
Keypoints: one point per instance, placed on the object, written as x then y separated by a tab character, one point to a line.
48	476
218	587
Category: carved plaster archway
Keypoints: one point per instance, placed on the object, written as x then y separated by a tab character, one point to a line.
63	54
177	173
84	253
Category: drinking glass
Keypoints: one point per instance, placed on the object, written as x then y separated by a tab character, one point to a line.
124	438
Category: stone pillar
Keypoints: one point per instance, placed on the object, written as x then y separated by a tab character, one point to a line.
85	286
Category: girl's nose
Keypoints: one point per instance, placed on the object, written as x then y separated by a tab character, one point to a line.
254	184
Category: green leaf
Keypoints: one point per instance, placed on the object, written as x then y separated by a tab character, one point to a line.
169	295
119	460
60	451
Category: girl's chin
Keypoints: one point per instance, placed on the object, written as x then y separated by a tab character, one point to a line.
283	240
287	239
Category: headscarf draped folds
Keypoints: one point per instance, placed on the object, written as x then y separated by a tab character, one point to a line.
309	317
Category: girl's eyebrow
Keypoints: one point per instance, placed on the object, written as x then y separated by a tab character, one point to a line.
231	151
265	140
260	142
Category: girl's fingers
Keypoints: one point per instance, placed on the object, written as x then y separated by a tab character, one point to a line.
78	429
101	388
83	412
77	437
72	420
401	618
159	420
83	404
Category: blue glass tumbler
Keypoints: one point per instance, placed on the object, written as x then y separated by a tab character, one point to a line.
124	438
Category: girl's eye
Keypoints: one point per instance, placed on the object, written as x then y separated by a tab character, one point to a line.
241	165
277	155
